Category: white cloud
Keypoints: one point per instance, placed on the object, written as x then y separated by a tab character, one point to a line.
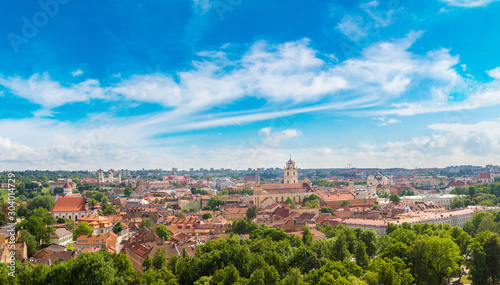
11	152
494	73
469	3
357	27
292	78
272	138
352	27
40	89
383	121
43	113
77	72
393	121
278	73
450	144
285	75
371	4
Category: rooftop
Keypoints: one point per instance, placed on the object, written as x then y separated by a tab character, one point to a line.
69	204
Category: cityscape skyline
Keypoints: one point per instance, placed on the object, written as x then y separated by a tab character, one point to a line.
247	83
451	168
248	142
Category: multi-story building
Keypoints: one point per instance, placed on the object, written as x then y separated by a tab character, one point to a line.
291	188
100	224
143	212
454	218
108	241
137	252
110	178
441	199
62	236
69	207
372	181
487	177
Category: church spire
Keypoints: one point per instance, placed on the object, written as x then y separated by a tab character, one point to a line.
290	174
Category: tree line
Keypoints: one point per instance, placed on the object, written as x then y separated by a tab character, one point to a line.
418	254
486	194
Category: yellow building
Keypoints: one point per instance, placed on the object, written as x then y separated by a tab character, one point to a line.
5	234
291	188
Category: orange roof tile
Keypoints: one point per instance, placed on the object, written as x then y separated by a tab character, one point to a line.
69	204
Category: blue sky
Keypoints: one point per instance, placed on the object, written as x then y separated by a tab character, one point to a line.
239	83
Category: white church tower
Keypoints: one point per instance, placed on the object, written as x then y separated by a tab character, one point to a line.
291	174
67	189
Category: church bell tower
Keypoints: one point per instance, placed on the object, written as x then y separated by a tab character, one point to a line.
291	174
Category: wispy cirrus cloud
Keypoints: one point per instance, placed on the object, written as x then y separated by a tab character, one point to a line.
290	78
286	76
374	17
42	90
469	3
353	27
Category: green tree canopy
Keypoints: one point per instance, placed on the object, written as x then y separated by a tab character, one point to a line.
44	201
128	191
3	219
394	198
147	223
307	236
118	227
345	203
162	232
290	202
327	210
215	202
252	212
82	228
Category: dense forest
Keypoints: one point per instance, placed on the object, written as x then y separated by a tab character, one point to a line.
419	254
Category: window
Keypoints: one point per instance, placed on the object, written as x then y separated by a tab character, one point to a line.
287	173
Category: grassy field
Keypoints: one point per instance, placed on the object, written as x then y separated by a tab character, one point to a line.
45	190
4	194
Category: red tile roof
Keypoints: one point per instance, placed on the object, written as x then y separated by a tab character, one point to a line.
276	186
70	204
139	249
484	175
